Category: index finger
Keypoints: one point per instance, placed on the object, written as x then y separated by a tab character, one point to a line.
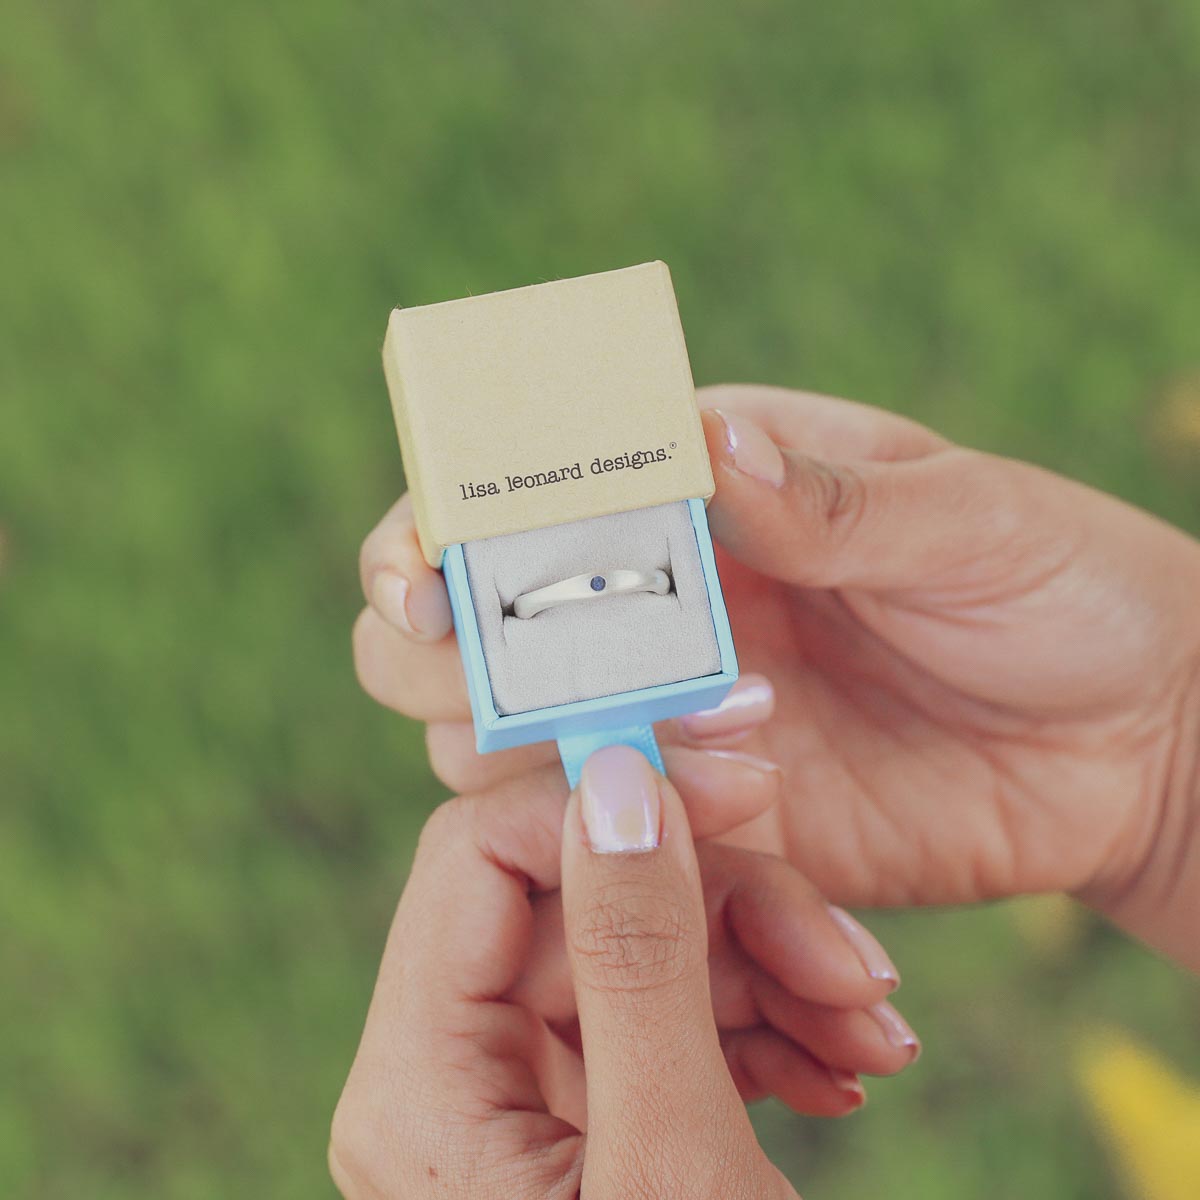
823	426
447	1070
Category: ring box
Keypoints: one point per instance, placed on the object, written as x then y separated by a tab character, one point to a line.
552	431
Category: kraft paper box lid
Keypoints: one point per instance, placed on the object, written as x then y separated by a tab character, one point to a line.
543	405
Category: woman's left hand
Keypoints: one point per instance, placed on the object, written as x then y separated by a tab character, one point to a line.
493	1063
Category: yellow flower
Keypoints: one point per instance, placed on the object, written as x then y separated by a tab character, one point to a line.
1149	1116
1175	423
1051	925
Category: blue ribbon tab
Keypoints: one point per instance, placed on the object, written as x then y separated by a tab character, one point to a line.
576	748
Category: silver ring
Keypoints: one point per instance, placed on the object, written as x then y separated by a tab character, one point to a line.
590	587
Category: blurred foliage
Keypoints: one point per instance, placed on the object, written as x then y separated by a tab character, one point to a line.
983	214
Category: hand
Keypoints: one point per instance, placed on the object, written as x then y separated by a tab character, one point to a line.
461	1087
988	676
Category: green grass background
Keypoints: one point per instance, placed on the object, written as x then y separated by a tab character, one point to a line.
985	214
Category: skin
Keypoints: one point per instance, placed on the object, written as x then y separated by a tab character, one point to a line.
461	1089
986	680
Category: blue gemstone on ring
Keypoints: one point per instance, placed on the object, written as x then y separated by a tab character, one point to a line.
599	583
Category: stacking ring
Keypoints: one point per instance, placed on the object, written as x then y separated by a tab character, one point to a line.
590	587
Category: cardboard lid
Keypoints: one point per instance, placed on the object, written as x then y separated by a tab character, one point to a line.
543	405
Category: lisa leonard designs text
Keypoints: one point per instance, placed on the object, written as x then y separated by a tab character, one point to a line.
635	461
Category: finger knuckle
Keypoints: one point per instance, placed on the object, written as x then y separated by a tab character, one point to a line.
375	670
455	768
366	565
452	773
630	937
839	498
378	1152
451	821
356	1155
381	1150
1000	491
365	651
994	497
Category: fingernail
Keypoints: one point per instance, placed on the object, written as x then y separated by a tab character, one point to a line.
389	596
873	956
752	451
896	1029
749	704
848	1082
763	765
620	801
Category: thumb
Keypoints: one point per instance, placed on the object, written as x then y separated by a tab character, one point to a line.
867	523
660	1100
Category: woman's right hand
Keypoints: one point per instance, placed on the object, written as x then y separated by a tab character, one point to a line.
986	677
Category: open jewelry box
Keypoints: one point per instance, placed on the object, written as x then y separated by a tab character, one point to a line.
551	439
591	667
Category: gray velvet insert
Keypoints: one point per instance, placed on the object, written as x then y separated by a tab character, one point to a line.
598	647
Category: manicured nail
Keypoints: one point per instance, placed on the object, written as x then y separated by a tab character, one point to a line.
620	801
848	1082
749	704
896	1029
763	765
873	956
752	451
389	596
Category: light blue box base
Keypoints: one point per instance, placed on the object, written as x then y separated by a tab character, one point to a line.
643	707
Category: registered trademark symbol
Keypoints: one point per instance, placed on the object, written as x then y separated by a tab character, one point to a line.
672	446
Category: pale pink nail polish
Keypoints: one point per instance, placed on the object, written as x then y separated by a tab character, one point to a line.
872	955
896	1029
620	801
763	765
749	704
752	450
848	1082
389	597
428	608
